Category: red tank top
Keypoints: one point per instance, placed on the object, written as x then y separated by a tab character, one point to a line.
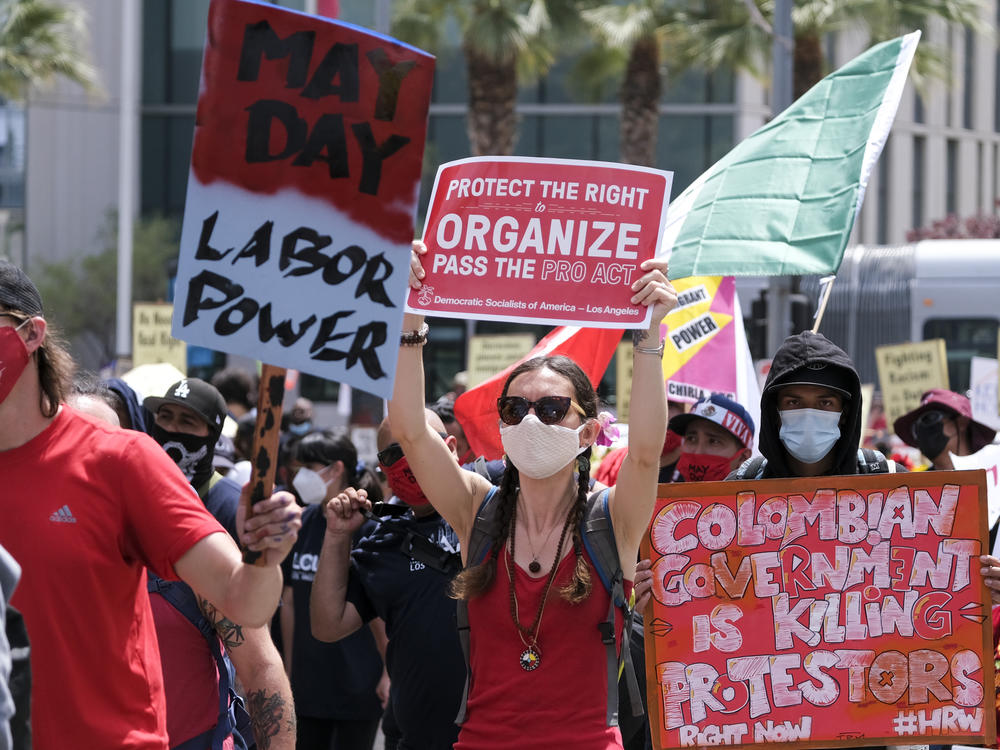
563	702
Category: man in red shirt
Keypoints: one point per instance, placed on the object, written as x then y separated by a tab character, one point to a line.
86	508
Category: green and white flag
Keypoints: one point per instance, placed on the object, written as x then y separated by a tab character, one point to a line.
784	200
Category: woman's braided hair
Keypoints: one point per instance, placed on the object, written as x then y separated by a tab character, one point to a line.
475	579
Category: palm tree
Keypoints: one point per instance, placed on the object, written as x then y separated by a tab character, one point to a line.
39	41
739	35
636	27
504	42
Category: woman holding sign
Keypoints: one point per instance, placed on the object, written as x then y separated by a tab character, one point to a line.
540	669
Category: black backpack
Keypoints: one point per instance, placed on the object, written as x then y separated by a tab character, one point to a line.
599	540
233	717
869	462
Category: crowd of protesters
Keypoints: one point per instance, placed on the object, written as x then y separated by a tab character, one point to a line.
449	601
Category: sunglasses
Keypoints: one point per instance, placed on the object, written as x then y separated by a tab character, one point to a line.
548	409
390	454
393	452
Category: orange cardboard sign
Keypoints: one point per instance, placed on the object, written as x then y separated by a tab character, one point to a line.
825	612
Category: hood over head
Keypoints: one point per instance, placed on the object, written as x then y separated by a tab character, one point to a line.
811	358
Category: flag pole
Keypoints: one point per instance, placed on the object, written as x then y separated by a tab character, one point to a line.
826	284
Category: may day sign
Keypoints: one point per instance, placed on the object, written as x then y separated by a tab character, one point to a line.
540	241
828	612
302	193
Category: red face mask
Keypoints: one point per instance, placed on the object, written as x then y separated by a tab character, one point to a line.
703	467
404	484
13	359
671	443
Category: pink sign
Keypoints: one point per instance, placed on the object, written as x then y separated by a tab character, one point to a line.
541	240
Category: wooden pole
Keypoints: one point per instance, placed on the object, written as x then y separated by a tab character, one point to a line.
827	283
270	395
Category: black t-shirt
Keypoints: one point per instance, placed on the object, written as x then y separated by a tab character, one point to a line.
222	499
424	657
329	680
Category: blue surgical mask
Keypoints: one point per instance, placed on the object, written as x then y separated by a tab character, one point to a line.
300	429
809	434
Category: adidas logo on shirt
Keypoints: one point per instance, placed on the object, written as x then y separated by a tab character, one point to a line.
63	515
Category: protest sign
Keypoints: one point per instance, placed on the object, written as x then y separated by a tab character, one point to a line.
151	339
540	241
825	612
906	371
302	192
490	354
983	391
703	321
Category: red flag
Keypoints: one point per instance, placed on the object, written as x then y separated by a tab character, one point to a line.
328	8
476	409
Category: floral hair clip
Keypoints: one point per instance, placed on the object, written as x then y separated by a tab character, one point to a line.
608	433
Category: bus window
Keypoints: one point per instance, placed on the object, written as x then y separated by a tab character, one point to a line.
965	339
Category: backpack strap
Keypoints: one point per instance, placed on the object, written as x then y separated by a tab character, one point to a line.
873	462
598	534
752	468
479	466
485	529
182	598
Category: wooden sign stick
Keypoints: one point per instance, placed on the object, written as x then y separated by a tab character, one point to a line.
270	395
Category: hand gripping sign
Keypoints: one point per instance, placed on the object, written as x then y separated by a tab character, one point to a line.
540	241
301	199
825	612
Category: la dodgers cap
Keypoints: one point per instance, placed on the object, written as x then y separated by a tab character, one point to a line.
194	393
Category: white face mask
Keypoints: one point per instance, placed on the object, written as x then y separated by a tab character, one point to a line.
539	450
310	486
809	434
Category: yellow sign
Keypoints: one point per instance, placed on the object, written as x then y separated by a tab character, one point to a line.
490	354
151	339
905	371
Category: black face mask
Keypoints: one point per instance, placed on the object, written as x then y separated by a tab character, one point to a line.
929	433
193	454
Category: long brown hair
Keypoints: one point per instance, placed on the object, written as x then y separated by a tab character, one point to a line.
475	579
55	367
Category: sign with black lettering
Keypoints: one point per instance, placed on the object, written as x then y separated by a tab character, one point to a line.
302	193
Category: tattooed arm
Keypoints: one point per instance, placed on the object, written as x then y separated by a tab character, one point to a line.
260	672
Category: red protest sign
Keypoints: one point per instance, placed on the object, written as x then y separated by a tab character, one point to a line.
825	612
540	240
302	193
337	112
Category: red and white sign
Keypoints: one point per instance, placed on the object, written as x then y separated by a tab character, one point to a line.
302	193
541	241
823	612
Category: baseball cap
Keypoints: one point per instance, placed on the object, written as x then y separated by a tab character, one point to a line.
194	393
725	412
818	374
17	292
943	400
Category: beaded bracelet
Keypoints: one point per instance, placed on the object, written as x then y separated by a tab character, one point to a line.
415	338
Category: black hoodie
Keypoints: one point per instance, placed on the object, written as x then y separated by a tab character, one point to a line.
796	353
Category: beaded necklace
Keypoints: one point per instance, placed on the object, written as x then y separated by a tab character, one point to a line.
531	657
